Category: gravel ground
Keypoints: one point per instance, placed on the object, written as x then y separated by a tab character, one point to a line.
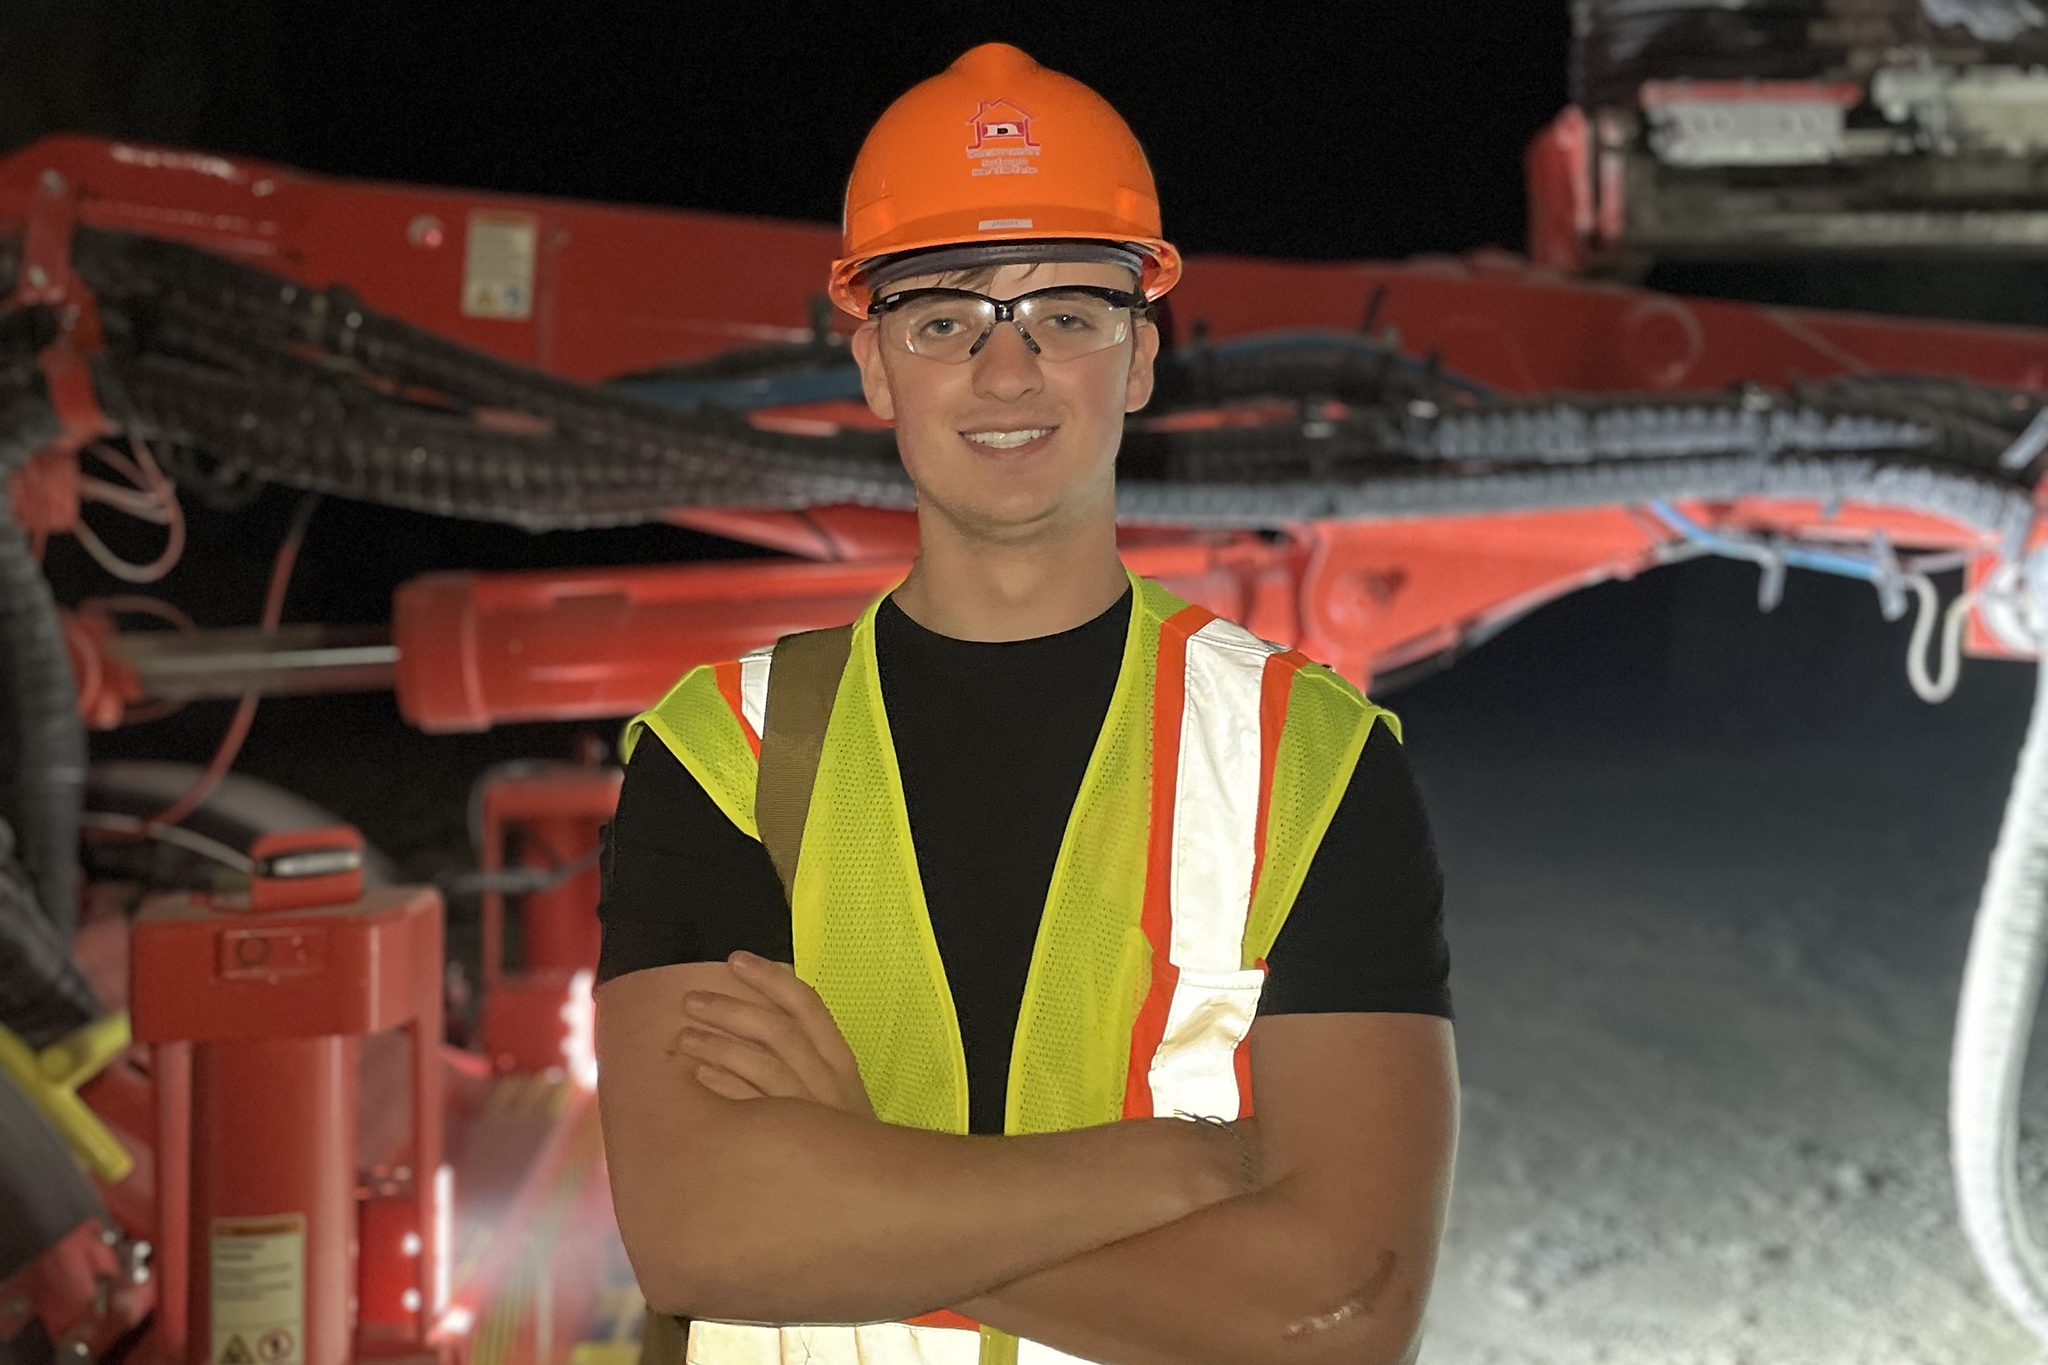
1710	883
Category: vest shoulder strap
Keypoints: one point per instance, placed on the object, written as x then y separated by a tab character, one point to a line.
801	686
705	722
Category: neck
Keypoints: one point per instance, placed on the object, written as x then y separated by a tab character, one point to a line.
969	588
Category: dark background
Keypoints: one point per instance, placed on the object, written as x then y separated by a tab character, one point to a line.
1331	130
1334	130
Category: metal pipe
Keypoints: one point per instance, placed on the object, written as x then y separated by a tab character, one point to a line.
273	1217
177	666
171	1063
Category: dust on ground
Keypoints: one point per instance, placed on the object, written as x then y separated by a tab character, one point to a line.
1711	879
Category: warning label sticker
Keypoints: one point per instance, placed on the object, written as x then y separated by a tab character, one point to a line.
497	265
259	1290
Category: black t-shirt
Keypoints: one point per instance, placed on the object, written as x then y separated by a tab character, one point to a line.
992	739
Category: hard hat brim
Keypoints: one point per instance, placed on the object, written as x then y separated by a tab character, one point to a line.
1161	268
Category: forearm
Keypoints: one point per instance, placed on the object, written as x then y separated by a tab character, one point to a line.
1253	1280
792	1212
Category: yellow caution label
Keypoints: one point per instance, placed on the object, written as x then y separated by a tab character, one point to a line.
497	265
259	1290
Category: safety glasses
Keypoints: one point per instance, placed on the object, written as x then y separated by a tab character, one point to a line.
952	325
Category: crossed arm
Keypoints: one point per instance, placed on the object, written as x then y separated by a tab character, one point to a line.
753	1184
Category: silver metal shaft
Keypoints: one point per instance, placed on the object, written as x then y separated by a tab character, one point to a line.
298	659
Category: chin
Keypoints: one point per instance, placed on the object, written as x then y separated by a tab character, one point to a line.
998	515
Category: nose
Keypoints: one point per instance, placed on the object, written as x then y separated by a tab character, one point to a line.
1005	369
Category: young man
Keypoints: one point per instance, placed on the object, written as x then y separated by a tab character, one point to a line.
1060	820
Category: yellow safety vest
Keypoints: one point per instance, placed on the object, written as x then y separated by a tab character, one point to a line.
1219	765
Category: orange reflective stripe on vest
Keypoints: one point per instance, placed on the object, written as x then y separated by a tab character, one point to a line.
743	683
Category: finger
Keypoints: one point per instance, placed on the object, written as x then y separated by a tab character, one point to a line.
772	1028
758	1067
719	1081
780	983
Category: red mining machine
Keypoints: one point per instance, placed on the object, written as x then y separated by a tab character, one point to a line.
233	1126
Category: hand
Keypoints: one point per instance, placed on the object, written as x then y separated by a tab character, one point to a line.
787	1048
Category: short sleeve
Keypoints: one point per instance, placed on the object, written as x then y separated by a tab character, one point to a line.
1366	932
680	882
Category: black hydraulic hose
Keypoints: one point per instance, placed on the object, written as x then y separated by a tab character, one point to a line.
210	353
146	274
42	740
313	433
43	996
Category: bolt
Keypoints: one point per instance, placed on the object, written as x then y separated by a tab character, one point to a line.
52	182
76	1350
426	230
38	277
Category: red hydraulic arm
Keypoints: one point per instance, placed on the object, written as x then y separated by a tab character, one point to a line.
591	292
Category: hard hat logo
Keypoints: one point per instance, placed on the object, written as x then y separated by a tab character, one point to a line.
1002	140
908	194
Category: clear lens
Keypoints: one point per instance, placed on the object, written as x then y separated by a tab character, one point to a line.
1061	324
939	326
1067	325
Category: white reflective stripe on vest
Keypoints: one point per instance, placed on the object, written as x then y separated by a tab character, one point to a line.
879	1343
754	688
1216	796
1215	851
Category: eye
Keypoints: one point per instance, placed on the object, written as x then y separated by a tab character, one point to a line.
1070	322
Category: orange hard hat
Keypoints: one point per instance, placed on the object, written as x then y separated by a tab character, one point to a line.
998	149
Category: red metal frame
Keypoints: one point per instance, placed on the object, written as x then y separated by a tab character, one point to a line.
619	290
623	290
555	813
259	1006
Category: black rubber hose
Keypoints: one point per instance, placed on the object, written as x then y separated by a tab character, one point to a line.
209	353
42	740
317	434
43	995
44	1194
202	345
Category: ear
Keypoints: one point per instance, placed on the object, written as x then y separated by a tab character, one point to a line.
1138	386
874	376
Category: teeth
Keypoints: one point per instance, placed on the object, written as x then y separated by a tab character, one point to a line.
1006	440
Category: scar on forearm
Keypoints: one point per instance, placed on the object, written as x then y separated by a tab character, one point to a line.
1363	1301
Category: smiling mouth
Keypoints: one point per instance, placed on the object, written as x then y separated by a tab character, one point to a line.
1008	440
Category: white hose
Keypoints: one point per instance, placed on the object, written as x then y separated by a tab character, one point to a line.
2001	991
1942	685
